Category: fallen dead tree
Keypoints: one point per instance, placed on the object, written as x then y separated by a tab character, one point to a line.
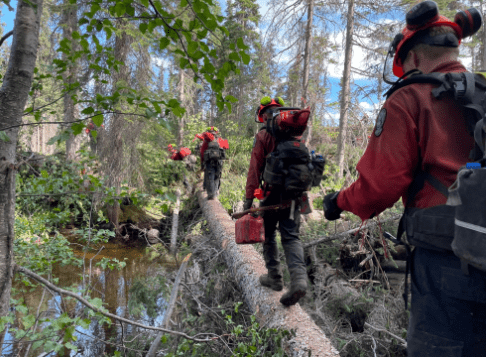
246	265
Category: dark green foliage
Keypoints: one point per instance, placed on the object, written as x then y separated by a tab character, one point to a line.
144	295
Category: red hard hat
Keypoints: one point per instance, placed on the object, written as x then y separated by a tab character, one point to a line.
410	31
273	102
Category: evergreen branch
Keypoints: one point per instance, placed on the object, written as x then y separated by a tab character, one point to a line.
90	306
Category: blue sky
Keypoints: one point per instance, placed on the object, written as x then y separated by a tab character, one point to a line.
8	17
334	70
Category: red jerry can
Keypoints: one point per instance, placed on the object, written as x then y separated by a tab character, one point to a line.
249	230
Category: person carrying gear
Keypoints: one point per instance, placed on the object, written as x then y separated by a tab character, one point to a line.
212	156
417	147
178	155
211	134
263	145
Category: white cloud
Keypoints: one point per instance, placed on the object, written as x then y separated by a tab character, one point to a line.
161	61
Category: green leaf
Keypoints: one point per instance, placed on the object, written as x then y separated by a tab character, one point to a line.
246	58
164	42
173	103
192	47
241	45
234	56
120	9
94	133
98	119
87	110
231	99
28	321
143	27
97	302
70	346
77	128
183	3
4	137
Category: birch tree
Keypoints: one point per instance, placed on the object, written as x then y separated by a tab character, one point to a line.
13	98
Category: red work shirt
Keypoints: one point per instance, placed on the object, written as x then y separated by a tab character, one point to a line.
207	137
419	131
264	145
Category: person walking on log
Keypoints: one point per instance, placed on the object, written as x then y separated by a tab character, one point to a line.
419	143
264	144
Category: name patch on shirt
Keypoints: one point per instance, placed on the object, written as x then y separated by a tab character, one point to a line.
380	121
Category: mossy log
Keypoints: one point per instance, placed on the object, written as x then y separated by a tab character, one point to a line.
246	265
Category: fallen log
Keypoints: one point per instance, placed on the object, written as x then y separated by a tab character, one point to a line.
246	265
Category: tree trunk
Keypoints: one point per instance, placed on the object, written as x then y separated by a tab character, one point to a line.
13	98
70	77
345	93
175	223
180	136
307	55
246	265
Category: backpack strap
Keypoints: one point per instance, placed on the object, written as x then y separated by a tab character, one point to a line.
433	78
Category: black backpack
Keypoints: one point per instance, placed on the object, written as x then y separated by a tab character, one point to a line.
460	225
214	152
290	167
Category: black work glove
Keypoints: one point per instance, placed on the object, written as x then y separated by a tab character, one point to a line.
331	209
247	204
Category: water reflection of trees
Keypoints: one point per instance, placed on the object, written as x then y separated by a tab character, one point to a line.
111	286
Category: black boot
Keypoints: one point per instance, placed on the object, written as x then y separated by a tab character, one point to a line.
272	280
298	288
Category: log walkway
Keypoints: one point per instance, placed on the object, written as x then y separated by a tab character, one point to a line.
246	265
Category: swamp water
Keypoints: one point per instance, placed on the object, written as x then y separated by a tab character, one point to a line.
111	286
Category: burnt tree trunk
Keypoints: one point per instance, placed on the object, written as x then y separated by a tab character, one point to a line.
246	265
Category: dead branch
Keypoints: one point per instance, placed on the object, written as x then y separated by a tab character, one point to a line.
344	234
86	303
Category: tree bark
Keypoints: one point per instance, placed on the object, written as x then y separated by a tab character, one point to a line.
70	20
180	136
345	93
307	55
13	98
246	265
175	223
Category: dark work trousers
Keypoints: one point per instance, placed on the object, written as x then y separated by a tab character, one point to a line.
448	314
289	232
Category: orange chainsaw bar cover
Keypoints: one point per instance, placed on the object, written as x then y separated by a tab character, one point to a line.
249	230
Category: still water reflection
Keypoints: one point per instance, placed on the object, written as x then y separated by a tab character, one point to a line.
111	286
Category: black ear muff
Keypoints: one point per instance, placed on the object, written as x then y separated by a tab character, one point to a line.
421	14
470	21
394	44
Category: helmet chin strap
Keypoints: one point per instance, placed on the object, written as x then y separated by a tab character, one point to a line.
412	71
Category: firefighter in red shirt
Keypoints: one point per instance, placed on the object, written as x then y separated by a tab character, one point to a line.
209	135
263	145
418	145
